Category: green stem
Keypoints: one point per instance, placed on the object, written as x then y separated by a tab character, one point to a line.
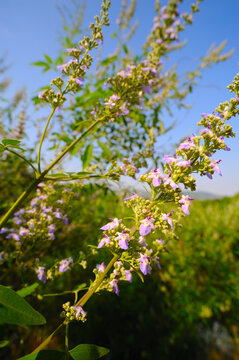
46	342
19	201
81	302
97	283
41	177
22	157
42	139
67	342
69	147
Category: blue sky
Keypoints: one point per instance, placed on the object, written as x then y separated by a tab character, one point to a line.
30	28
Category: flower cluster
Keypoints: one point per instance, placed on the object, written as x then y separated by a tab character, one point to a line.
75	69
71	313
138	248
34	228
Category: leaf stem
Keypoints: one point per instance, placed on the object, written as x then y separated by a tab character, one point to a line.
97	283
67	342
19	201
69	147
40	177
21	157
42	139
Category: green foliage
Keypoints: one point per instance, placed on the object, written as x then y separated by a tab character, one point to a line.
28	290
15	310
88	352
189	293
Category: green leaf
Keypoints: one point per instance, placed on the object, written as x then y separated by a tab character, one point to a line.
47	68
80	287
76	148
125	49
88	352
87	156
59	175
45	355
16	147
4	343
104	148
10	142
39	63
83	173
2	149
109	60
15	310
48	59
27	290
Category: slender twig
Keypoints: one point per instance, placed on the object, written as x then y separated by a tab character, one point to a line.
40	177
42	139
67	342
21	157
70	147
86	296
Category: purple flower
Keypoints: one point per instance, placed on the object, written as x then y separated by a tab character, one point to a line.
114	285
127	167
58	214
215	166
123	240
40	95
79	310
156	175
142	241
65	219
65	264
169	159
128	275
166	217
105	240
72	49
17	220
112	101
185	200
34	202
132	197
78	81
43	196
124	73
184	163
46	209
23	231
14	236
156	260
19	212
111	225
51	228
144	264
206	131
146	226
187	144
64	67
169	181
83	67
41	273
51	236
101	267
124	109
3	230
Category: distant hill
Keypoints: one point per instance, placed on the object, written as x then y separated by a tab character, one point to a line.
132	186
203	195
